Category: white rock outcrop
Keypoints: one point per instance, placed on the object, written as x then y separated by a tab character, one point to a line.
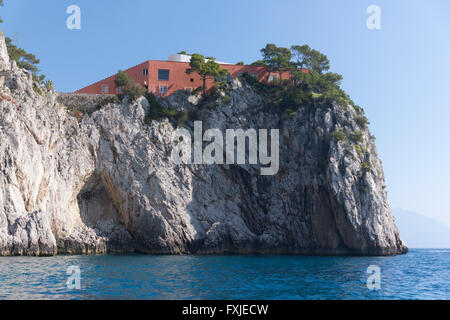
105	182
4	57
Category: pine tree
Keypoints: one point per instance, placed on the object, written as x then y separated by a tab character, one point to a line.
206	68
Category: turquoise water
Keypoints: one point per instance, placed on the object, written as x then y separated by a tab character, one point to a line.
421	274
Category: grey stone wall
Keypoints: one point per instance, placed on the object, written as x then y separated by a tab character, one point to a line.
85	102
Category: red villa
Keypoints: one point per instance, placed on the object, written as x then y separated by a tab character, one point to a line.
166	77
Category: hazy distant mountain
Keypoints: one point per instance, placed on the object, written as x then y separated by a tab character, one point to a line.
418	231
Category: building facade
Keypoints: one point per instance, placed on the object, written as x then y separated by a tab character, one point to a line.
164	78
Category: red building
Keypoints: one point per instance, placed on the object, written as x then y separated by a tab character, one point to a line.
165	77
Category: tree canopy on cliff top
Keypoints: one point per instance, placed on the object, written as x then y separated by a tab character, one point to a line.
130	88
206	68
276	59
311	81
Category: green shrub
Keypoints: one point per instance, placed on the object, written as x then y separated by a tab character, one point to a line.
157	112
289	114
316	88
135	91
360	151
356	136
122	79
316	96
37	88
155	108
49	85
148	120
337	95
130	88
152	100
249	79
226	99
24	59
339	135
362	122
169	113
365	167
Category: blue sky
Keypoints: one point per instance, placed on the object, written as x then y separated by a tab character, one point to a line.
400	74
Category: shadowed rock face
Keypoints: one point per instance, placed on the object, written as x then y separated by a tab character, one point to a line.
106	182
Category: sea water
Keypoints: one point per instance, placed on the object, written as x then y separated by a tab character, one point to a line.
420	274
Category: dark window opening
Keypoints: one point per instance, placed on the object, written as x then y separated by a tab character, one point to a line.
163	74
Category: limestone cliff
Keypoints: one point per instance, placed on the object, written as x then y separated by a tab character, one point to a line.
105	182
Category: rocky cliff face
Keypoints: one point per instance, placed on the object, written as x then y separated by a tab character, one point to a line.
105	182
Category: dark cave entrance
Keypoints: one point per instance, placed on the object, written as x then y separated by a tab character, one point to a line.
97	203
97	209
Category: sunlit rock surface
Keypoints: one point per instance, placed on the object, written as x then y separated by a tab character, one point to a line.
105	182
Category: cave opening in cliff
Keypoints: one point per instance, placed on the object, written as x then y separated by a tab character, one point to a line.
96	207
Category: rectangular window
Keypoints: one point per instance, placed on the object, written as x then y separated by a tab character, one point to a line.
105	88
119	89
145	72
163	74
163	89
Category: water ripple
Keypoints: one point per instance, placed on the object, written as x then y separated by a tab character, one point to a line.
421	274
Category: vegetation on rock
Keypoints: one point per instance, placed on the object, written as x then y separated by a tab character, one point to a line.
27	61
205	68
128	87
339	135
157	111
311	83
362	122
